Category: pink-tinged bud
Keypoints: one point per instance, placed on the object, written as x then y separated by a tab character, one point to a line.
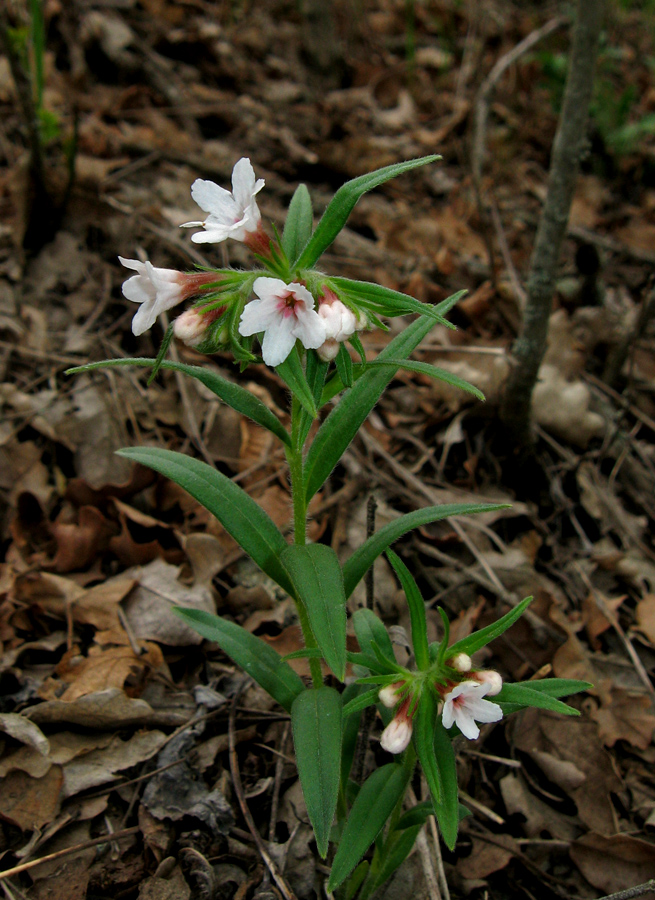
328	350
492	678
191	327
396	736
390	695
461	662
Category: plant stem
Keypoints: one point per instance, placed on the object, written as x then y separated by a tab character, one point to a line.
295	460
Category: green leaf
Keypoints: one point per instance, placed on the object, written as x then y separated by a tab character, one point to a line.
351	723
315	574
343	203
356	880
481	638
396	850
422	368
291	372
386	302
357	704
234	395
238	513
343	423
370	631
557	687
524	695
420	813
316	723
416	611
344	366
423	737
373	805
252	654
446	811
363	558
298	224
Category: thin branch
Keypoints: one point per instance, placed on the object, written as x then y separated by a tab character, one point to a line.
24	867
637	891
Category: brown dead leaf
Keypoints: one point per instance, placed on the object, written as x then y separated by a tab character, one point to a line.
100	766
577	742
612	863
103	710
539	816
31	802
105	667
625	717
646	617
79	543
596	622
486	858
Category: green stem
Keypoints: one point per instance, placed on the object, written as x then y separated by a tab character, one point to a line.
295	460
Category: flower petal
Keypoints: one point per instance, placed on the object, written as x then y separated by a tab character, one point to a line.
215	200
278	342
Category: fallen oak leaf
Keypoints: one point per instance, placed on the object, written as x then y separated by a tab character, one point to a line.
627	717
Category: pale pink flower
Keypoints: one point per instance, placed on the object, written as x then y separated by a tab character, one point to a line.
155	289
231	215
492	678
464	705
396	736
340	324
285	313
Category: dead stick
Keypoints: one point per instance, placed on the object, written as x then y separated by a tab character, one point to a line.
629	893
103	839
285	890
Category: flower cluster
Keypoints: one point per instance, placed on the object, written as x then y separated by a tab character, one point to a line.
463	704
281	312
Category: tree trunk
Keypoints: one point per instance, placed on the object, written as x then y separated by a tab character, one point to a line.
568	147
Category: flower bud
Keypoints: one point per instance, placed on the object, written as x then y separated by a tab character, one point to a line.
492	678
390	695
396	736
191	327
328	350
461	662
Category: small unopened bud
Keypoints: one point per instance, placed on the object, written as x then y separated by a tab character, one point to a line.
396	736
461	662
191	327
390	695
492	678
328	350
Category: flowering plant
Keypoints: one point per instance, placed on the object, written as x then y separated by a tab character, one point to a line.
303	319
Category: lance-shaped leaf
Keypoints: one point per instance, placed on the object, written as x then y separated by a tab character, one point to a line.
519	696
351	725
252	654
291	372
481	638
363	558
386	302
425	720
416	611
422	368
371	634
315	573
343	203
446	810
397	848
317	728
234	395
238	513
343	423
557	687
298	224
357	704
373	805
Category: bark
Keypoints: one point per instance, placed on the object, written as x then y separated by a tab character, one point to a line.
569	145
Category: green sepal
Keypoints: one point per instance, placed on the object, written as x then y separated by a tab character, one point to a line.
481	638
356	705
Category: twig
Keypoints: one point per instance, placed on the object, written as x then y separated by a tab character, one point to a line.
613	246
426	857
24	867
629	893
279	767
481	808
285	890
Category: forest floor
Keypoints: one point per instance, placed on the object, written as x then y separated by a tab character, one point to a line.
128	716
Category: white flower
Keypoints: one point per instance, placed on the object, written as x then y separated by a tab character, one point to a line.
396	736
155	289
340	322
283	312
492	678
389	696
231	215
464	705
461	662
